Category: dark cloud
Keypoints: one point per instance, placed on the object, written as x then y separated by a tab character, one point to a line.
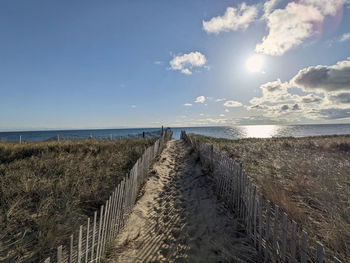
274	86
325	78
333	113
310	98
296	107
284	107
343	98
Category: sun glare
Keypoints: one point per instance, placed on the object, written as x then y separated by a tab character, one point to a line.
254	63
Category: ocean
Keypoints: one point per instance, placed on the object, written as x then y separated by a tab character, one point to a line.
229	132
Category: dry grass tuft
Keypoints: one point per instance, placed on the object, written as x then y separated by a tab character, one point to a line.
308	177
47	189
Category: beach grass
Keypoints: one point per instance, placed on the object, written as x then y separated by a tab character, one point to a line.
47	189
308	177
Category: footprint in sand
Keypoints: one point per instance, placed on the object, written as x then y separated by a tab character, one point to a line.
176	233
166	219
164	251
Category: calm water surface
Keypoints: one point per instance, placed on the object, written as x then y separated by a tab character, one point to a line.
267	131
230	132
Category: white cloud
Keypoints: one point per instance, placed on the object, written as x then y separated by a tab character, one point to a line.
344	37
219	100
227	110
326	7
188	104
133	106
222	115
157	62
292	25
200	99
233	19
325	78
270	5
186	62
331	101
232	104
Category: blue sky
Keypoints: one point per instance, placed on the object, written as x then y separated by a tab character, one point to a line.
83	64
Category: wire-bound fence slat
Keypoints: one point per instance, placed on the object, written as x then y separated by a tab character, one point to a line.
304	249
293	241
284	236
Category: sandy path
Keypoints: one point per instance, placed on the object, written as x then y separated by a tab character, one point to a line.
179	219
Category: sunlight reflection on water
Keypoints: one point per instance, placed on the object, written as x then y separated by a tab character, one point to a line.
266	131
259	131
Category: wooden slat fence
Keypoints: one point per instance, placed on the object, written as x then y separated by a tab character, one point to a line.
90	243
275	235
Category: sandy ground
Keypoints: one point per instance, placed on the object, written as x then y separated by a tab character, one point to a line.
179	219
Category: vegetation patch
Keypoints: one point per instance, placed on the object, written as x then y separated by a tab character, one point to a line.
47	189
308	177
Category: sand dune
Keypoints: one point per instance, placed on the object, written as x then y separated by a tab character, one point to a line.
179	219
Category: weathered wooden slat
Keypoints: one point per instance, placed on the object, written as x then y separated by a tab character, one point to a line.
294	242
59	254
254	222
93	237
99	235
103	233
80	243
87	241
304	247
284	236
267	230
275	230
71	249
319	252
260	223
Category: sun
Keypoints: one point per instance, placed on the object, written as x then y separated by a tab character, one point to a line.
254	63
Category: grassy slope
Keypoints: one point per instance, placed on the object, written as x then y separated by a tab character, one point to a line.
308	177
48	189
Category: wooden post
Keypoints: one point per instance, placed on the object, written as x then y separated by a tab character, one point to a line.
108	208
87	241
260	223
249	206
93	237
284	235
253	215
304	249
275	231
80	243
71	250
319	252
109	221
211	157
117	209
103	231
111	228
99	235
294	241
121	204
20	139
255	227
59	255
267	230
